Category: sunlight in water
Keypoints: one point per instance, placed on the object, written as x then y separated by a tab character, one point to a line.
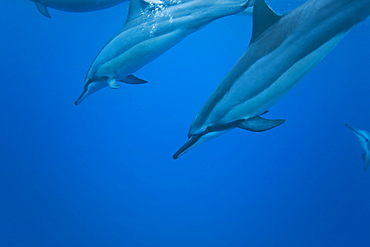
158	9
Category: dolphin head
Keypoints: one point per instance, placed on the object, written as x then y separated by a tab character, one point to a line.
90	88
201	131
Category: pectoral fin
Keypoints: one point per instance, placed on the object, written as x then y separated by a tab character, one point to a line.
43	9
258	124
113	83
131	79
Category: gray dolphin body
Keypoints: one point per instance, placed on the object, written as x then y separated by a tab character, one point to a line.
363	137
150	30
282	50
74	5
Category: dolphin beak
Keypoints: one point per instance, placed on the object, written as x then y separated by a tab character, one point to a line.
186	147
82	97
196	140
90	88
354	130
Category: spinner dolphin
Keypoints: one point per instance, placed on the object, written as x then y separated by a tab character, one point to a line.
363	137
150	30
282	50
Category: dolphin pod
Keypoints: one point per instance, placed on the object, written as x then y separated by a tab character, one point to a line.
149	31
282	50
74	5
363	137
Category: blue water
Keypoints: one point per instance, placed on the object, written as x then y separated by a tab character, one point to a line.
101	173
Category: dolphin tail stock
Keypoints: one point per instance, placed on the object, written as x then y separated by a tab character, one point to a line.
43	9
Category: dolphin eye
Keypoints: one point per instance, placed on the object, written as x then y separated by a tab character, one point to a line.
205	131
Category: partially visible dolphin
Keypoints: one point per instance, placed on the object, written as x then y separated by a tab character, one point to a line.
150	30
363	137
74	5
282	50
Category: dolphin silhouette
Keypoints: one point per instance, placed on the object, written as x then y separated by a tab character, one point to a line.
74	5
150	30
363	137
282	50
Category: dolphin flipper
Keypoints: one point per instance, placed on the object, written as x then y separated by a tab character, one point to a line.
258	124
113	83
131	79
43	9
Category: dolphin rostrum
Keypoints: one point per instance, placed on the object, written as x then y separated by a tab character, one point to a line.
363	137
282	50
150	30
74	5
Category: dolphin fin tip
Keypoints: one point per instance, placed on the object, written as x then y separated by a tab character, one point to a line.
131	79
263	18
43	10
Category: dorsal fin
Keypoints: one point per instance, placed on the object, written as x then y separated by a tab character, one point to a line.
263	18
136	9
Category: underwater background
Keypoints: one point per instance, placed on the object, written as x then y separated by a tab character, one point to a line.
102	173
